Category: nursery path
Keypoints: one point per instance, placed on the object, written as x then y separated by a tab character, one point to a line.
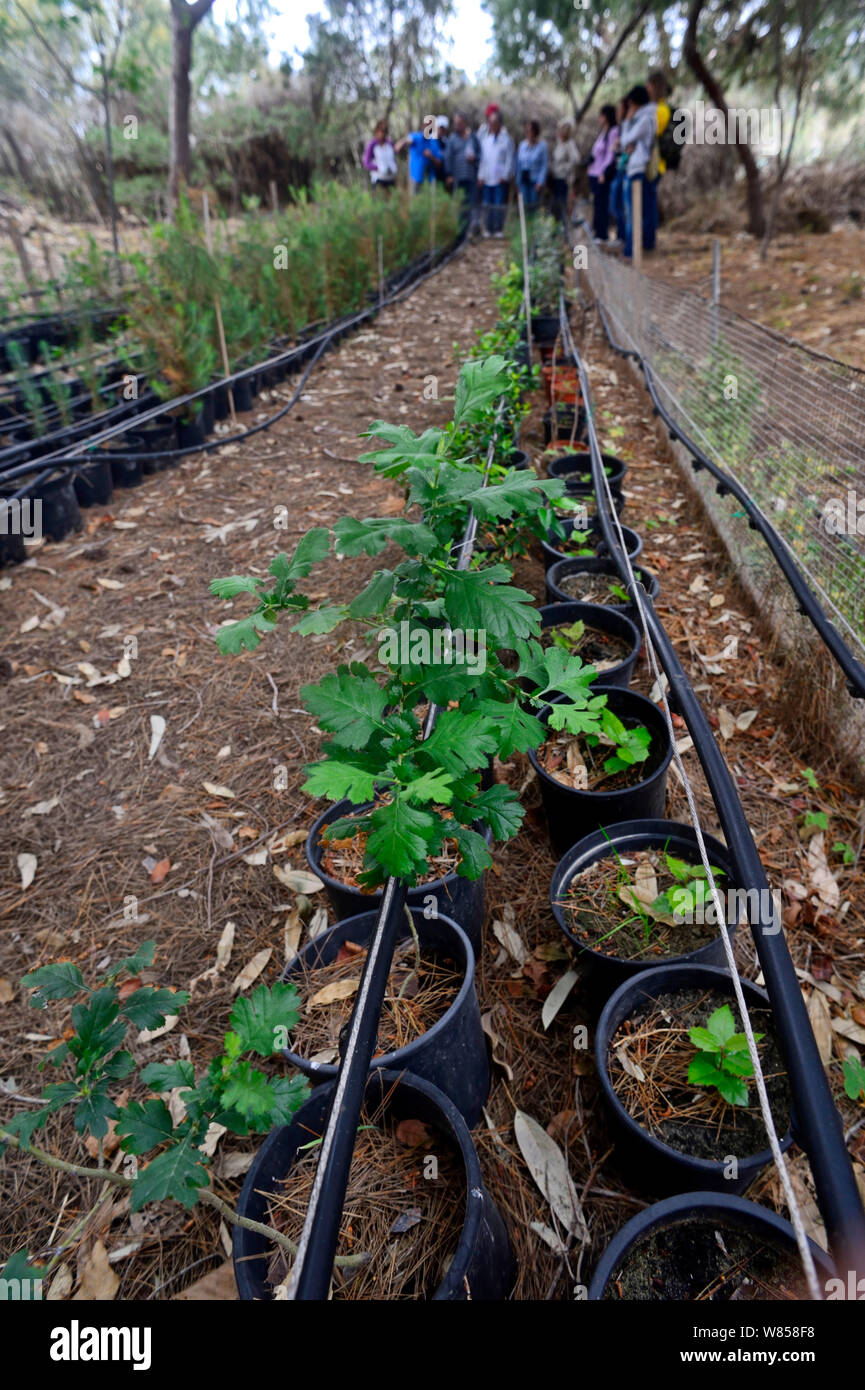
113	828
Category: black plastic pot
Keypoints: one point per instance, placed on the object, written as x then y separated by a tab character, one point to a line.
576	471
60	511
12	550
126	472
452	1054
545	328
597	565
572	815
609	620
552	556
160	437
712	1210
93	484
243	394
190	433
208	413
462	899
564	424
517	459
483	1266
653	1165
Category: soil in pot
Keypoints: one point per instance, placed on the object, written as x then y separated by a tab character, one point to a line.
613	906
707	1260
588	586
408	1225
603	650
575	763
420	990
649	1059
344	859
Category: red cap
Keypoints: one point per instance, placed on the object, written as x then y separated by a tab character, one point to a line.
492	108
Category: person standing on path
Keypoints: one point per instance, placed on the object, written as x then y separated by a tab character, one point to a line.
658	90
564	160
379	159
532	165
601	169
425	157
495	170
619	175
639	139
462	161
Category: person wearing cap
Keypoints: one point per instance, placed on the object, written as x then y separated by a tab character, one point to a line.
564	161
462	157
532	164
426	156
495	170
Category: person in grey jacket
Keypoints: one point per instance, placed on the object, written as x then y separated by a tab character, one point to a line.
637	139
462	161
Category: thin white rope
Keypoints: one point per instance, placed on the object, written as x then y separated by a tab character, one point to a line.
760	1082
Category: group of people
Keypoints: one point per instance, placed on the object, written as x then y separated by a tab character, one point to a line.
479	166
631	150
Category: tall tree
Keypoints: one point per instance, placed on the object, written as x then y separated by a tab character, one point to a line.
579	45
101	27
185	19
699	66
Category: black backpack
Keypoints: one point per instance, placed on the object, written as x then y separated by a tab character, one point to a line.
668	146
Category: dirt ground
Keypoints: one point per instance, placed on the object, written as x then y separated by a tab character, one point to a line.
811	287
135	585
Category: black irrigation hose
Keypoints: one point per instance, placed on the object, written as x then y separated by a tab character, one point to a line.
817	1121
806	600
405	282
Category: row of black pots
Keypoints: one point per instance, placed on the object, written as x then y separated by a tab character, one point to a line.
55	331
58	514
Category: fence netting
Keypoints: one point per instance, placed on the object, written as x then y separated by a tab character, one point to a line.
786	422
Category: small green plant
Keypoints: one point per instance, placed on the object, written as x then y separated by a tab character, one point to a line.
167	1144
854	1078
722	1059
847	852
809	776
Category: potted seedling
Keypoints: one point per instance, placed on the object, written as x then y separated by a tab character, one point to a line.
636	894
602	638
584	544
677	1080
601	764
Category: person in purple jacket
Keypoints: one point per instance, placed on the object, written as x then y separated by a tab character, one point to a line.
379	159
601	171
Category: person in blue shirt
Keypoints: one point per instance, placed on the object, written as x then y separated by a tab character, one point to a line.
425	158
532	164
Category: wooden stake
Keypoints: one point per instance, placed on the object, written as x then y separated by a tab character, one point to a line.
274	197
226	367
637	222
526	291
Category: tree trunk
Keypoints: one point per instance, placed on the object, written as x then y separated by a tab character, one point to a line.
638	15
753	184
109	169
185	19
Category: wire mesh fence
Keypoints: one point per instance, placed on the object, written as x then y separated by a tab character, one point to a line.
786	422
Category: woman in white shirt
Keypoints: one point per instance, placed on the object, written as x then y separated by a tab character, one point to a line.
564	160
